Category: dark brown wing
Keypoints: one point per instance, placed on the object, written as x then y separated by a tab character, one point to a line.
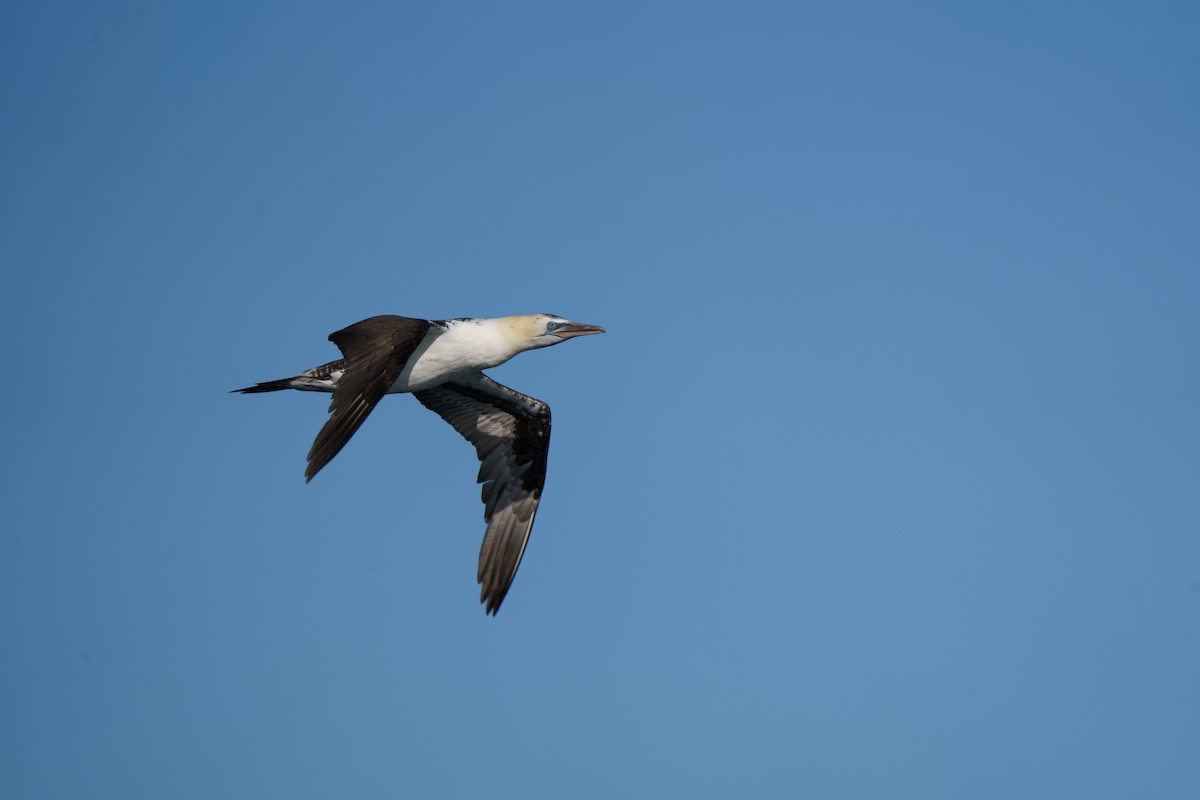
374	352
511	434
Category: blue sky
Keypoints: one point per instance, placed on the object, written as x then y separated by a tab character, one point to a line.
885	481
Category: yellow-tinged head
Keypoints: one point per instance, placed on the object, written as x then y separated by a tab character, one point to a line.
543	330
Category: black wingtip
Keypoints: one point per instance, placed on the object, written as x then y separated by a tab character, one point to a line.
489	600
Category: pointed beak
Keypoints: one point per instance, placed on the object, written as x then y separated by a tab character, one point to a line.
570	330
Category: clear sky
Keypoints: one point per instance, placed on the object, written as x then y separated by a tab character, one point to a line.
885	481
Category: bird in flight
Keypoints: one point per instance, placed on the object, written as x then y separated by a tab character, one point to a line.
441	363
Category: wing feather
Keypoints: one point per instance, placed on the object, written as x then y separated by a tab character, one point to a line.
375	352
511	435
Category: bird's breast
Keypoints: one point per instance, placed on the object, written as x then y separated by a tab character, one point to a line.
443	357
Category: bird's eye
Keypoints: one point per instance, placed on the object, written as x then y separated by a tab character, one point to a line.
551	326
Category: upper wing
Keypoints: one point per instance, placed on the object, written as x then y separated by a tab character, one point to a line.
511	434
374	354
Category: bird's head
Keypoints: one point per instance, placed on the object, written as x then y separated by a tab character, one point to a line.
543	330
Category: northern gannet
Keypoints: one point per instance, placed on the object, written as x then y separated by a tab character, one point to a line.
441	363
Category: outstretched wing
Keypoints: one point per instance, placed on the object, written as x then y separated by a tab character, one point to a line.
374	352
511	434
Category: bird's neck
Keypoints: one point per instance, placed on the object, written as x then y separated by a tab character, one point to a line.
480	343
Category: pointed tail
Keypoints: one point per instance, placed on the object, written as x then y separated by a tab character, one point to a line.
266	386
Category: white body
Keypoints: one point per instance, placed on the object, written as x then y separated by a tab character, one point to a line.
464	346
